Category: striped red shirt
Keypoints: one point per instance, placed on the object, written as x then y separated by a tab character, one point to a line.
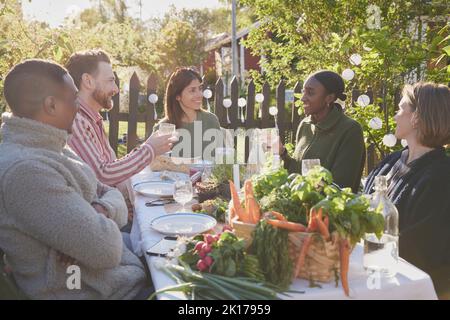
90	142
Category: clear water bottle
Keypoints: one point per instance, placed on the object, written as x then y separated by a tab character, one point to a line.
381	255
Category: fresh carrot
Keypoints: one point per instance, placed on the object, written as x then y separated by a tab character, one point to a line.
239	211
302	256
327	222
319	214
322	229
254	210
344	253
278	215
312	224
291	226
251	205
247	198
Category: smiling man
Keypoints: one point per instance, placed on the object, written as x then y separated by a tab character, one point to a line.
93	75
51	204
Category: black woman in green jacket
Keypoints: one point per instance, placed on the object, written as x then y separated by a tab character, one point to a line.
326	133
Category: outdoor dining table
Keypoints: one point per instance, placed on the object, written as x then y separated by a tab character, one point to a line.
410	283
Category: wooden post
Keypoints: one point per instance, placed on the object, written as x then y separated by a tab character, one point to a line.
295	116
281	116
265	120
114	118
250	122
233	110
219	110
133	112
152	84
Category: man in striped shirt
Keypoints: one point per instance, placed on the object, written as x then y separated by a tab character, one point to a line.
93	75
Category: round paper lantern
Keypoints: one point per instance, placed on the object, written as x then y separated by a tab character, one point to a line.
242	102
389	140
376	123
227	102
207	94
363	100
259	97
273	111
153	98
348	74
355	59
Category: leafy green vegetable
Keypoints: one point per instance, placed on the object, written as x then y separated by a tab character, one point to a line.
204	286
264	183
229	256
270	245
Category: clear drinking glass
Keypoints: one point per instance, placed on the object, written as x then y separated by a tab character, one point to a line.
308	164
183	192
167	128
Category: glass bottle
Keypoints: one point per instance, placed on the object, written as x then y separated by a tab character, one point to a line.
381	255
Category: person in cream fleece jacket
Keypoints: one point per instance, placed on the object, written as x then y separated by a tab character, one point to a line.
51	204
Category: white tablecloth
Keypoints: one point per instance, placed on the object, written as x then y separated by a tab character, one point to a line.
409	283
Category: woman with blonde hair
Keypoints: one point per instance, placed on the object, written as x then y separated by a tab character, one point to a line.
419	180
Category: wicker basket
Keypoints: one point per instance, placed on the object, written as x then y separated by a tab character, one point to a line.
322	259
243	230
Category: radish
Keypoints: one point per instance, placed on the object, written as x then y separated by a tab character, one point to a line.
227	228
206	248
209	238
202	254
198	246
208	260
201	265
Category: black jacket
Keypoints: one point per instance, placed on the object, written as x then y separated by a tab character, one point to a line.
422	197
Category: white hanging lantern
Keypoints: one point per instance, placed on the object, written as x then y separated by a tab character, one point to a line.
389	140
348	74
376	123
227	104
153	98
355	59
273	111
259	97
363	100
242	102
207	94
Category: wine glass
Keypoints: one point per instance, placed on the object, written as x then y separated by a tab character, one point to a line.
167	128
183	192
308	164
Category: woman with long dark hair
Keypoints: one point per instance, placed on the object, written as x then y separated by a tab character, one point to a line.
183	108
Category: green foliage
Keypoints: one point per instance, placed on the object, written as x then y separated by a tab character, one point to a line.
296	38
157	46
263	184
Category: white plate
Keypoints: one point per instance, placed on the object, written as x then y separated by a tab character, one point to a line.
154	188
187	224
170	176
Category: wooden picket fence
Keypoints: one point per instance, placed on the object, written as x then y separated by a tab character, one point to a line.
287	118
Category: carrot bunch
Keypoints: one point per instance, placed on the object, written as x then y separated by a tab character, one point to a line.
321	224
317	223
251	212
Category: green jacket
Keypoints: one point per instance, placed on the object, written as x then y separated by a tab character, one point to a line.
339	144
207	120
